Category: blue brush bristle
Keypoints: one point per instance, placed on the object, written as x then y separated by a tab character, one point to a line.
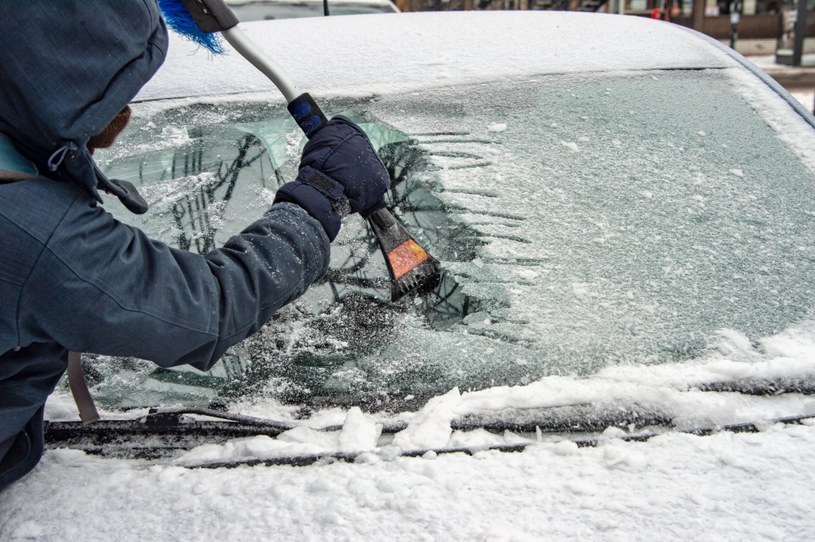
179	20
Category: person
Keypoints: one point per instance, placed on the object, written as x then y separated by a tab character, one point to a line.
735	17
72	278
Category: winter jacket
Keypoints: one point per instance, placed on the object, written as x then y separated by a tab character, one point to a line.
74	278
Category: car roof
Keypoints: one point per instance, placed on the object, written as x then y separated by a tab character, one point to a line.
379	54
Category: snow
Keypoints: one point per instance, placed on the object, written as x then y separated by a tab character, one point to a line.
487	47
674	487
430	428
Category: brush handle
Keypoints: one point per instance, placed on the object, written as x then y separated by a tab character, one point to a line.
307	114
254	54
216	16
301	105
311	120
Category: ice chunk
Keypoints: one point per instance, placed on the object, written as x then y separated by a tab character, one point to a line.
359	433
430	427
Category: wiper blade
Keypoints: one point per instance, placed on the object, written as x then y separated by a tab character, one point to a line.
166	434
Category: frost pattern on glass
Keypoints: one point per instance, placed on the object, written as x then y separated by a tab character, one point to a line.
583	221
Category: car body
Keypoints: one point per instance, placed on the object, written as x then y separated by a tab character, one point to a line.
260	10
612	200
624	212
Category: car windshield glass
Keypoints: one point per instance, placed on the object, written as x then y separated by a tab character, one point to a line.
582	221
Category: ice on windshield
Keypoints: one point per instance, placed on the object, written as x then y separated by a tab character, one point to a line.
583	223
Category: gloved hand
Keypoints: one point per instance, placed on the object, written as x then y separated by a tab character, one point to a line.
340	173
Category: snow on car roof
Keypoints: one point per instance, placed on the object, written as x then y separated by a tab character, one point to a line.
385	53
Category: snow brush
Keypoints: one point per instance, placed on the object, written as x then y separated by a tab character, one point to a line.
410	267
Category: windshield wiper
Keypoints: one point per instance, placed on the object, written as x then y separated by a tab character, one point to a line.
164	434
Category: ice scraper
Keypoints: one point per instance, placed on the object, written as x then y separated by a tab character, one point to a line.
410	267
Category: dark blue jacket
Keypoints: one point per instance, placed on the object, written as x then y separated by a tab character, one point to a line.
72	277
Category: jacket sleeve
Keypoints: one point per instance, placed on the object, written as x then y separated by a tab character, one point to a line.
267	266
104	287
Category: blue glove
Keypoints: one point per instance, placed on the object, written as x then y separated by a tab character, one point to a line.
340	173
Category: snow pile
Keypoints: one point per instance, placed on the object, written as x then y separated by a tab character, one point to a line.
673	391
430	428
676	486
673	487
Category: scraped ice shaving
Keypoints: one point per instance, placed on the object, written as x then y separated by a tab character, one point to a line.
497	127
359	432
174	135
254	447
430	427
571	145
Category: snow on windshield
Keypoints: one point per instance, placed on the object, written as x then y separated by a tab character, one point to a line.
625	219
618	214
584	222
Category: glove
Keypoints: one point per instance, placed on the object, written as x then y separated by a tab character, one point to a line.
340	173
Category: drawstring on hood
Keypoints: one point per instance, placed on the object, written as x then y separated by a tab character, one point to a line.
59	155
67	69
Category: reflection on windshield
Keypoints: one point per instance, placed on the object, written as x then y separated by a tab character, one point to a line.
199	183
581	222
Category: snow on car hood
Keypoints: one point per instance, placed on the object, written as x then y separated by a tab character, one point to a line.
387	53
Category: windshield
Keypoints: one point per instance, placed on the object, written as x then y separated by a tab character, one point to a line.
582	222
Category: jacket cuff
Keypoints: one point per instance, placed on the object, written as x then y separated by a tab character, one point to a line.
314	202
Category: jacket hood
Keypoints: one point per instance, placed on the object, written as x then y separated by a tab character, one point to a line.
66	69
